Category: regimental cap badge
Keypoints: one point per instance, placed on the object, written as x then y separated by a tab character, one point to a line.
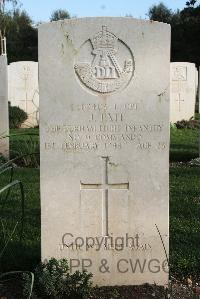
105	74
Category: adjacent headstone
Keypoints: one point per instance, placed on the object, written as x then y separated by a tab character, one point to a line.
23	89
196	89
104	127
183	91
196	80
4	123
199	90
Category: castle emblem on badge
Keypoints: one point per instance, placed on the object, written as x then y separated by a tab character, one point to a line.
111	65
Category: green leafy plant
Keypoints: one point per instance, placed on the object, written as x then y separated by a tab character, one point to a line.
105	292
17	284
17	117
54	280
28	281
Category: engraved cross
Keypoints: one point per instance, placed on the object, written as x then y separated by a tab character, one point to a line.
105	187
179	100
25	76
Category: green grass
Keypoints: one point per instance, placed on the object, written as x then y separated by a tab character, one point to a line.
22	133
184	144
23	142
24	255
185	220
197	116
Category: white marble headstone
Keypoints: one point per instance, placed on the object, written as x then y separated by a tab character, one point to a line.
104	127
183	91
199	89
197	80
23	90
4	118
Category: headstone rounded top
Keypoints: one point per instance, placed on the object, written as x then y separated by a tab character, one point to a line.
91	19
24	62
183	62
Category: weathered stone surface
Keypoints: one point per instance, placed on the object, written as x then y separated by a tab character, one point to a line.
199	89
183	91
104	127
23	89
196	80
4	124
196	89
